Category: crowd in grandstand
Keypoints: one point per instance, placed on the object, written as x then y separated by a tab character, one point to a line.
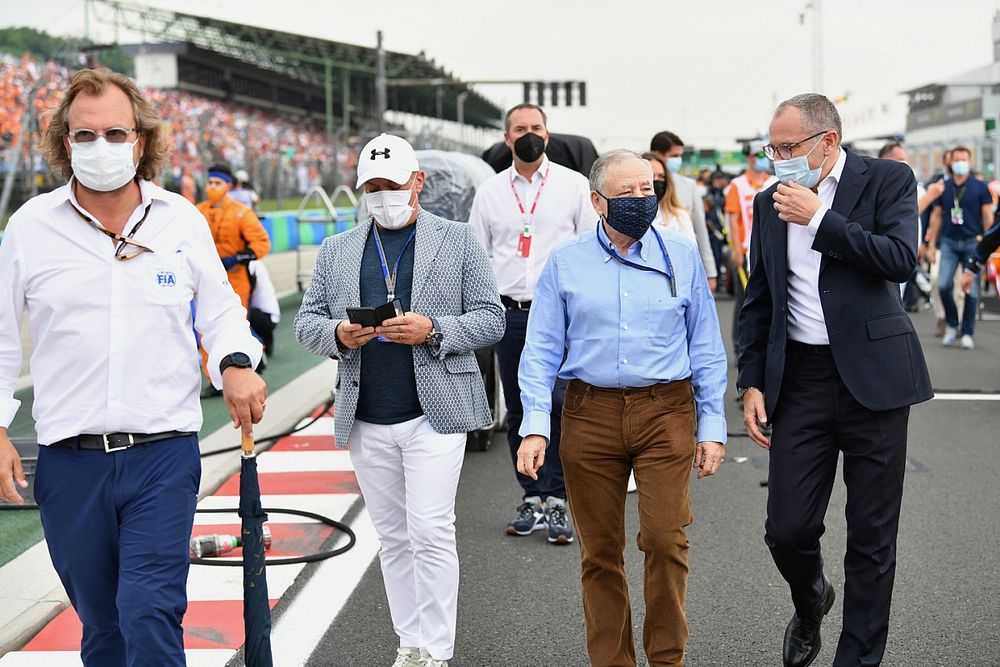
204	130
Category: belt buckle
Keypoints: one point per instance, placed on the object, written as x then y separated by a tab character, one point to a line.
107	443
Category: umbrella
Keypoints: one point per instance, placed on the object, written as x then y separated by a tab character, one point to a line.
256	611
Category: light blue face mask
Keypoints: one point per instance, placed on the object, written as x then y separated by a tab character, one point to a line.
674	164
960	168
796	169
762	164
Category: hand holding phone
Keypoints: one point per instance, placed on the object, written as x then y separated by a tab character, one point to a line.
367	316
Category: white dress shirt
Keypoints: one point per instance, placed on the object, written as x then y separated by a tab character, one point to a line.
806	322
113	344
563	211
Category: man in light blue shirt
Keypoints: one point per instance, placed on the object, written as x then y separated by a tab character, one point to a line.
625	314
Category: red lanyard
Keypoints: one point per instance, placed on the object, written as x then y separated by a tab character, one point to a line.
534	204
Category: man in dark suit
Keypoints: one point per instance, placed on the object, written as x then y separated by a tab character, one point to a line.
829	357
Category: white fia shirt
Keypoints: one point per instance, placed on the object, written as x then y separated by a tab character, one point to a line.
113	345
564	210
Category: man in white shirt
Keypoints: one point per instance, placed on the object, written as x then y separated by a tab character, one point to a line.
520	216
106	268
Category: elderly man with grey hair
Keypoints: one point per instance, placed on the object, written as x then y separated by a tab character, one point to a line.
624	313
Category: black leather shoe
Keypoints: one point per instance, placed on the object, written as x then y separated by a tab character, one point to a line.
802	636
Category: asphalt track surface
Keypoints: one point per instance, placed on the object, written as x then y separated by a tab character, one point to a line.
520	606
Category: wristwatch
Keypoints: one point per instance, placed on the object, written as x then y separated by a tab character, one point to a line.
742	390
435	336
237	359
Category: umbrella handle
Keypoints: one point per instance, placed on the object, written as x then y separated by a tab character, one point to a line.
247	443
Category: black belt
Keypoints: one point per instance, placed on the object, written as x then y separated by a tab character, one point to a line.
513	303
116	442
806	348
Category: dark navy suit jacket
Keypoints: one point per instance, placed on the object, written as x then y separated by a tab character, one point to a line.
868	240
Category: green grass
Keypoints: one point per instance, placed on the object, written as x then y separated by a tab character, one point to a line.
292	203
22	528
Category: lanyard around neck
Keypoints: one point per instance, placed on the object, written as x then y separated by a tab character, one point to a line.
669	273
122	241
390	278
528	215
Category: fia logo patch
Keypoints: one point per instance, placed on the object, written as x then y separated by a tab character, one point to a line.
166	279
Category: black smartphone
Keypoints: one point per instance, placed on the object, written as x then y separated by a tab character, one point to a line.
367	316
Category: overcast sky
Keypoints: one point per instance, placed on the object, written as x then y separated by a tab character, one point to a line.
710	71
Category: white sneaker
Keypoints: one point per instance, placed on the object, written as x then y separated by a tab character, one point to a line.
632	486
431	662
968	343
407	656
950	336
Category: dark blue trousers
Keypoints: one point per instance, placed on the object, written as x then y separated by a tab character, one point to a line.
550	475
118	527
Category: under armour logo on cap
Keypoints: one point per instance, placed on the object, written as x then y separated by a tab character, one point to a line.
398	163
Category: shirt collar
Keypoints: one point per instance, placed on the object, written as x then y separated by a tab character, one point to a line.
148	191
838	168
642	244
543	169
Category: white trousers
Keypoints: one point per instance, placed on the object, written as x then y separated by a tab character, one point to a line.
408	474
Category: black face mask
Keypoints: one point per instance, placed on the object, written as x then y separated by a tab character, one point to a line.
631	216
529	147
659	189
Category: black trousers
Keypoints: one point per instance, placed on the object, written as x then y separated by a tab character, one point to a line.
550	475
816	419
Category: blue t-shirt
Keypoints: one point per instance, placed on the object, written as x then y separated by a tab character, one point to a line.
973	193
388	391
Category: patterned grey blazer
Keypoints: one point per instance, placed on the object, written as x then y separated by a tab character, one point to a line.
452	282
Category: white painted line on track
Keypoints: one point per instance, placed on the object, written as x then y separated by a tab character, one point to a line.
207	582
323	427
304	461
195	658
313	610
967	397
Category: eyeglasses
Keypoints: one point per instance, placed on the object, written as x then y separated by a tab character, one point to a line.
784	151
114	135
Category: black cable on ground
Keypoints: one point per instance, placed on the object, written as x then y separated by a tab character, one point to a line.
311	558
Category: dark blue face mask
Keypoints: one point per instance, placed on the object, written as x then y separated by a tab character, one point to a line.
631	216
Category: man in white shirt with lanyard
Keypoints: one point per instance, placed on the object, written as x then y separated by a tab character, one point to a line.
520	216
105	268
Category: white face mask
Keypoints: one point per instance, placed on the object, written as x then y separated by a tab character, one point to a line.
390	207
101	166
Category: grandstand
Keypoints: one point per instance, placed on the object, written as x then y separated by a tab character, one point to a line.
290	109
327	80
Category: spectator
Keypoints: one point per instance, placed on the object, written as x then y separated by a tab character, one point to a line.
669	148
968	205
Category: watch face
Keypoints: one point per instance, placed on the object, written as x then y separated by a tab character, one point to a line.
241	359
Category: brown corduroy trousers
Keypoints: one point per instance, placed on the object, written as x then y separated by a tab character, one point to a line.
606	434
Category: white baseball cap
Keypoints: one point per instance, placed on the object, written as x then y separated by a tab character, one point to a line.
387	156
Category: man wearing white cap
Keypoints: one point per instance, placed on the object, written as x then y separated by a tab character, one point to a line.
408	385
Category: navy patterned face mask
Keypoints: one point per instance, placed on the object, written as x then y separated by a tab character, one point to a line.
631	216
